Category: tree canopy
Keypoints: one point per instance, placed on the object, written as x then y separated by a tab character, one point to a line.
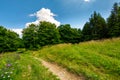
68	34
113	21
96	28
9	40
43	34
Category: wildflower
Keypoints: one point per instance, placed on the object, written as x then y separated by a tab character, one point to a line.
8	76
8	65
11	72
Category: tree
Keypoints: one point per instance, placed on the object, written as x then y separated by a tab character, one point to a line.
68	34
9	40
35	36
113	21
87	32
80	37
30	37
98	26
48	34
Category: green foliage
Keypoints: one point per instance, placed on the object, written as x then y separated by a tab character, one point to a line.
98	25
96	60
48	34
113	21
9	40
87	32
43	34
30	37
69	35
96	28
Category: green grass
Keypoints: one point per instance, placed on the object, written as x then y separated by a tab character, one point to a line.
15	66
95	60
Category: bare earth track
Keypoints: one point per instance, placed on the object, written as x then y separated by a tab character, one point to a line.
60	72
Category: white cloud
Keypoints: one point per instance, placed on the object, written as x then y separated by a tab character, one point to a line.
87	0
44	15
31	15
18	31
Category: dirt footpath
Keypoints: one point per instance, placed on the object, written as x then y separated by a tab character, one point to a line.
60	72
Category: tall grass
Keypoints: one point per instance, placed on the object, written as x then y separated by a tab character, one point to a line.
96	60
22	67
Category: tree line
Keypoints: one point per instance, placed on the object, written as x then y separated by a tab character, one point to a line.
46	33
98	28
9	40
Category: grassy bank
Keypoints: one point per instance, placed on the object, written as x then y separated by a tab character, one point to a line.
22	67
96	60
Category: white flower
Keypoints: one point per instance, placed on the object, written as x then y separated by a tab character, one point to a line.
11	72
8	75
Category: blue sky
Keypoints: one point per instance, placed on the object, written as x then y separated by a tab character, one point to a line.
14	14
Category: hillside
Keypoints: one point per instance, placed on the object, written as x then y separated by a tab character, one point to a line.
92	60
95	60
54	40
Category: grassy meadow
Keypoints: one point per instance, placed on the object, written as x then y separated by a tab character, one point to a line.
14	66
95	60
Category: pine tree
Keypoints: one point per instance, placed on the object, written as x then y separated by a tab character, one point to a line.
96	28
113	21
98	25
87	32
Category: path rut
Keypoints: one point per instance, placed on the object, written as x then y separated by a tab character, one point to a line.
60	72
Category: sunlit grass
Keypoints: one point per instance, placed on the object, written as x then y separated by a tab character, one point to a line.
22	67
96	60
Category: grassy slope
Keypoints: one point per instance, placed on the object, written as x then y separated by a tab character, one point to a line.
22	67
96	60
